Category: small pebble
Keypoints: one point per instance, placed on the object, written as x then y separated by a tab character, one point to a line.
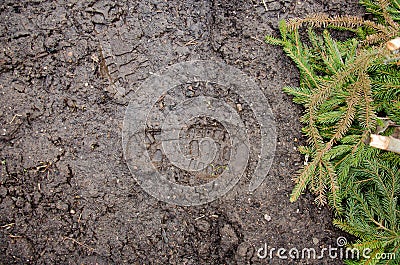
189	93
61	206
157	156
267	217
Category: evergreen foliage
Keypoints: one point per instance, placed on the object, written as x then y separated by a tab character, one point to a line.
349	88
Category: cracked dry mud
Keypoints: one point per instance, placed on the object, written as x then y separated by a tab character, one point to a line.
67	71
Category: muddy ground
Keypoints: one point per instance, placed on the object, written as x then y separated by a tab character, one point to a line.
67	70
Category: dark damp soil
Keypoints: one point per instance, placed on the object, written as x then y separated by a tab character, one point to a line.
67	69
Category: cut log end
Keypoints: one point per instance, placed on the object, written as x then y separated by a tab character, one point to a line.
394	44
385	143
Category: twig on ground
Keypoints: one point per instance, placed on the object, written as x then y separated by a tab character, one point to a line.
265	5
79	243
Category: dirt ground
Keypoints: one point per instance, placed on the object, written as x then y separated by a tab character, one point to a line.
67	70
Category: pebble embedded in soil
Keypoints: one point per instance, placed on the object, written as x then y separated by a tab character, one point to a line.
267	217
62	206
228	238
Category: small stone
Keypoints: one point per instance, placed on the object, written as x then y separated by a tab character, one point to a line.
202	225
242	249
228	237
3	191
61	206
157	156
72	211
189	93
267	217
315	240
239	107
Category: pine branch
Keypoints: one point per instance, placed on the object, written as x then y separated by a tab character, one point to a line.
302	180
323	21
343	85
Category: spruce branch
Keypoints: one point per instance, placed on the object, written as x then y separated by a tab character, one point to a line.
324	20
343	86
